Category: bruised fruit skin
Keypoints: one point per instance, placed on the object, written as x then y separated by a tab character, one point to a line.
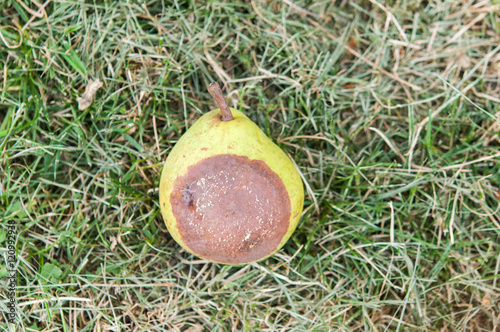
231	209
228	194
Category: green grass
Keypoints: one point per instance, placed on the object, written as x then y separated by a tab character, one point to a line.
390	109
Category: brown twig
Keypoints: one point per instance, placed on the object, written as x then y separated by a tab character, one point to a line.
216	92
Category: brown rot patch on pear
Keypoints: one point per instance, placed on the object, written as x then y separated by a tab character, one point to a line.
231	209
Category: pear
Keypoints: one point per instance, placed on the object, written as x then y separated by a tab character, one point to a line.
228	194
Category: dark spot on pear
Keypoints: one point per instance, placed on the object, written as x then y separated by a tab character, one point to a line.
231	209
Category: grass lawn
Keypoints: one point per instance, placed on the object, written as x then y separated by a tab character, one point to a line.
390	109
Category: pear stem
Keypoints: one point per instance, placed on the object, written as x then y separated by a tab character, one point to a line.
216	92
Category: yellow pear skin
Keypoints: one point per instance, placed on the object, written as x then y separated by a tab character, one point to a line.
217	190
